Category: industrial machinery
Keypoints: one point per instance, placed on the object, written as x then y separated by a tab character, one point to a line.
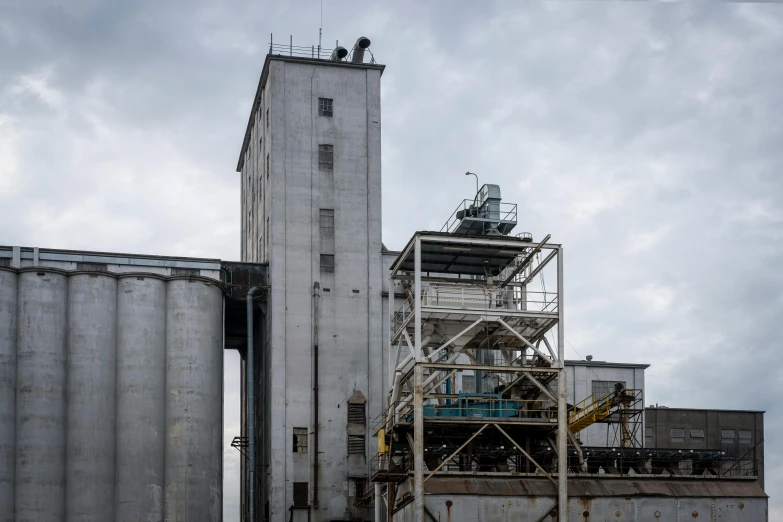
477	424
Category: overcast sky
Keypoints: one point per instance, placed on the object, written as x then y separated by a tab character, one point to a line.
645	137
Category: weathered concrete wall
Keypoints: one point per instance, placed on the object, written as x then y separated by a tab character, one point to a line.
289	194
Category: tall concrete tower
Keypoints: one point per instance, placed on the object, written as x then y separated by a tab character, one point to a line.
311	209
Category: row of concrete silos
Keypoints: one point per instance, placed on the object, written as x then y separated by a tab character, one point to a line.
111	389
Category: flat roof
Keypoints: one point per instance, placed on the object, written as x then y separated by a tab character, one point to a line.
582	362
446	253
79	256
265	74
666	408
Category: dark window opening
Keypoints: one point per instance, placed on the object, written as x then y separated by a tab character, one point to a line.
185	271
678	434
356	414
326	157
300	494
5	261
300	440
325	107
327	221
327	264
92	267
697	433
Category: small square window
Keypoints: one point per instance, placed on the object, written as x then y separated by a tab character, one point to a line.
468	384
327	263
727	435
326	157
678	434
325	107
603	388
697	433
745	435
300	440
327	221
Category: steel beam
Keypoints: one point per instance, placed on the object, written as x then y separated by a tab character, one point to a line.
525	453
562	421
496	369
540	267
417	353
418	443
482	241
521	266
457	451
522	338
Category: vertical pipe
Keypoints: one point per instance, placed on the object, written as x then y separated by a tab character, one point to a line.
8	307
91	405
194	400
378	503
418	394
40	400
562	423
418	442
250	371
316	296
141	397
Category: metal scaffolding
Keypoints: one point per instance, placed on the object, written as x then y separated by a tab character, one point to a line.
475	304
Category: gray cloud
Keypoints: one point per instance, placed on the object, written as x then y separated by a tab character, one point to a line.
644	136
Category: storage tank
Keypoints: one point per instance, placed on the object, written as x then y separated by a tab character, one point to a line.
91	404
194	400
111	390
7	391
141	381
40	395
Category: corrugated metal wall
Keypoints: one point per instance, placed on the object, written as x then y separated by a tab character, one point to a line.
111	389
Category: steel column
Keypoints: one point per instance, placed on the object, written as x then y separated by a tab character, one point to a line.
562	421
418	442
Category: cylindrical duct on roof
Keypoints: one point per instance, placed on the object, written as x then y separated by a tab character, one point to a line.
194	400
91	404
361	44
141	398
7	391
338	54
40	384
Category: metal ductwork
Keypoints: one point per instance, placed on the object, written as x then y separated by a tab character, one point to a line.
339	53
358	49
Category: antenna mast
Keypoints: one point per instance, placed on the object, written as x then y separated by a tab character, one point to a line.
320	26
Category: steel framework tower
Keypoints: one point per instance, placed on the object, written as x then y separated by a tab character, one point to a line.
477	304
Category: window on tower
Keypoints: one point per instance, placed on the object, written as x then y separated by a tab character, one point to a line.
325	157
327	263
325	107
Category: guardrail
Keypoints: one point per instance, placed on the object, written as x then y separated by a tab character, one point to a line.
495	212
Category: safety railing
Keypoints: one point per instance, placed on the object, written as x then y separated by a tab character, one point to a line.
494	212
485	298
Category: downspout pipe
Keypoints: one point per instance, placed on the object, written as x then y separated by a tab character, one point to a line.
251	410
316	298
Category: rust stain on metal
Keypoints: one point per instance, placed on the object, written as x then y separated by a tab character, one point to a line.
449	503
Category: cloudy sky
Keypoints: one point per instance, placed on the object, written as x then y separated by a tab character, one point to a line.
645	137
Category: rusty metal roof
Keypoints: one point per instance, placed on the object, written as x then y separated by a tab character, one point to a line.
636	486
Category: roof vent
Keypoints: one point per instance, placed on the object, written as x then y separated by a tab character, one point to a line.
589	358
338	54
358	49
